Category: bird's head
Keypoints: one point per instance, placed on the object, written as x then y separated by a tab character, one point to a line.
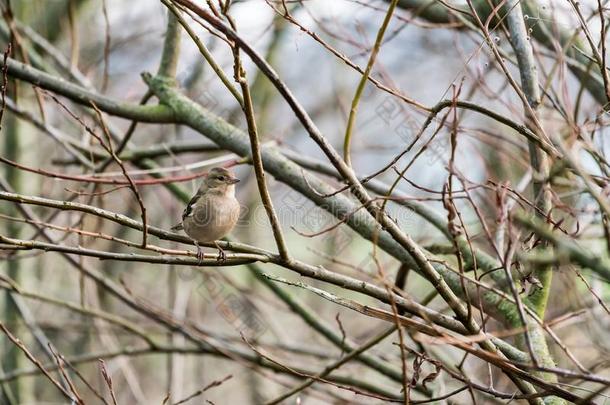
221	180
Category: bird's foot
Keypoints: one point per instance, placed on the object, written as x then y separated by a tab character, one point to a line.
200	254
222	256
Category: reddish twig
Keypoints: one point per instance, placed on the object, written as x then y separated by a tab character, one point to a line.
4	80
204	389
108	380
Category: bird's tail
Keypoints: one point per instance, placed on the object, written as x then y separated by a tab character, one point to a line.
178	227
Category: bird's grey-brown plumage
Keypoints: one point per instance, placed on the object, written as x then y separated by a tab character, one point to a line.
213	211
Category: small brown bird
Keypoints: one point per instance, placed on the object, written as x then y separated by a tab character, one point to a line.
212	212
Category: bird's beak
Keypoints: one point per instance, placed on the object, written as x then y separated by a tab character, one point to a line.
233	180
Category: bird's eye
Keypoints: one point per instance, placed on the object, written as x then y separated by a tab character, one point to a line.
221	178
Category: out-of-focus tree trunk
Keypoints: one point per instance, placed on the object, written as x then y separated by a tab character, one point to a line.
22	389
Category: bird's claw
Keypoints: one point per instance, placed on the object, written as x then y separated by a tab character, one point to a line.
222	256
200	254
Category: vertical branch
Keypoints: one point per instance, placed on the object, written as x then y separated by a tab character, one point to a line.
4	81
449	203
538	159
14	39
171	48
602	40
257	160
14	269
599	58
363	80
110	149
74	38
542	197
106	45
207	55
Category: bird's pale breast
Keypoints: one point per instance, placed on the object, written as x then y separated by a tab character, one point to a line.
213	217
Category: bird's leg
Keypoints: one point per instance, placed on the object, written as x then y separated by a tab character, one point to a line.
200	256
222	256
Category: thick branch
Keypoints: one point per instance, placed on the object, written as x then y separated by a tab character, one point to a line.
157	113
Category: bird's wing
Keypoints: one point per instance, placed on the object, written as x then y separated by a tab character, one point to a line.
189	207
